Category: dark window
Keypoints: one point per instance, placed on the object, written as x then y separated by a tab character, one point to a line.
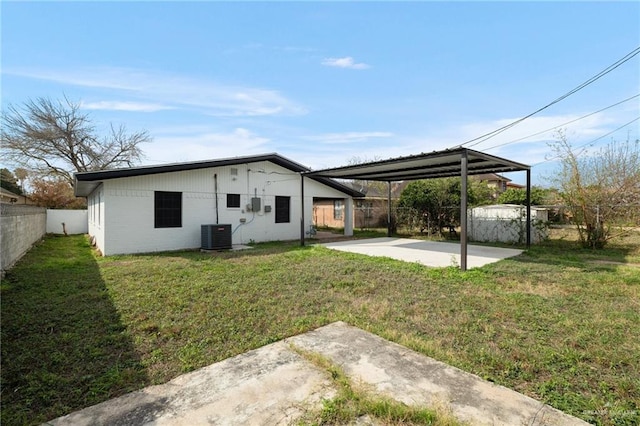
283	210
168	209
338	208
233	200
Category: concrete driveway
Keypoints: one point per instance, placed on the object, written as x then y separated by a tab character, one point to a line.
428	253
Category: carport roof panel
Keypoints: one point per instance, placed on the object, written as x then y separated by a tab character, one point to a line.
436	164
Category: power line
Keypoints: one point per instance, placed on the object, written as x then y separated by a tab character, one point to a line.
563	124
602	73
591	142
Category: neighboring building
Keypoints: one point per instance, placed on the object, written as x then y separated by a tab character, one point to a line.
9	197
511	185
498	183
370	209
328	212
159	208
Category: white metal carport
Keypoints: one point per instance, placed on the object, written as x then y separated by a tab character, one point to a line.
459	161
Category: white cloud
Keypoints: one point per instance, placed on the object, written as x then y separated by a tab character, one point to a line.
333	150
348	137
205	146
346	62
125	106
175	91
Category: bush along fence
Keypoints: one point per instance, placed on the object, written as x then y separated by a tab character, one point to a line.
599	223
596	223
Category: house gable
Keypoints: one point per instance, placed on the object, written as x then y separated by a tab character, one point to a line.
86	182
164	209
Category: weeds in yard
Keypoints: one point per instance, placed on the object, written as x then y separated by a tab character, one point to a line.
558	323
354	401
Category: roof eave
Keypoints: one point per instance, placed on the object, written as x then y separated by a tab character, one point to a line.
87	182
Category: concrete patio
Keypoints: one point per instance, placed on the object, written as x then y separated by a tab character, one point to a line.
428	253
274	385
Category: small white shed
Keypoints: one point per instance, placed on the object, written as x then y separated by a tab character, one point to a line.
159	208
507	223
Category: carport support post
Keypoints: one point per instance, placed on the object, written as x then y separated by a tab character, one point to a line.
301	209
463	211
388	208
528	208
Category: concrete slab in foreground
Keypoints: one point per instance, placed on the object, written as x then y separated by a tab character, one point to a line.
428	253
274	386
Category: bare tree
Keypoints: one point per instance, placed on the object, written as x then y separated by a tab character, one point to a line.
602	191
22	175
367	186
56	139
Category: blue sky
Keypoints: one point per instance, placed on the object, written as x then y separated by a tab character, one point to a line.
324	82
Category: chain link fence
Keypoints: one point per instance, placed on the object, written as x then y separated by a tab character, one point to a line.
505	223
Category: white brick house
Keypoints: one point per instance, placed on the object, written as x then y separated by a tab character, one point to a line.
158	208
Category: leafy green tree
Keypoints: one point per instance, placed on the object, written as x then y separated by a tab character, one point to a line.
435	203
539	196
9	182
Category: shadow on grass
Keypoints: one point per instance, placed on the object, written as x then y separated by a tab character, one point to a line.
64	346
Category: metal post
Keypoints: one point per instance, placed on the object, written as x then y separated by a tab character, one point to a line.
301	209
528	208
388	208
463	211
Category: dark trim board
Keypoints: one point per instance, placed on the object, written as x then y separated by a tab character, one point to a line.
87	182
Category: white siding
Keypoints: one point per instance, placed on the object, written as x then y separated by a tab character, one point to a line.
96	214
128	226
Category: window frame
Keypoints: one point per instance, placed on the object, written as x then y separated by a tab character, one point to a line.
229	206
167	209
338	209
282	210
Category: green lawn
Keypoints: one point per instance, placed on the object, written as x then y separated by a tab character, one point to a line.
558	323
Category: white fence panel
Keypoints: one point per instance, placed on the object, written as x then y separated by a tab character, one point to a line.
75	222
507	223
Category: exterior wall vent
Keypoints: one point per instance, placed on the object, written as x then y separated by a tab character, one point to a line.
216	237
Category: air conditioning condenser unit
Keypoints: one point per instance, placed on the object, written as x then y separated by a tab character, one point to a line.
215	237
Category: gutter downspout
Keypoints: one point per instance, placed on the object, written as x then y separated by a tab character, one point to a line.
463	210
215	190
388	208
301	209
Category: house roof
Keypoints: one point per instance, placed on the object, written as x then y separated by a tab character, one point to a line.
436	164
86	182
515	185
8	193
493	176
